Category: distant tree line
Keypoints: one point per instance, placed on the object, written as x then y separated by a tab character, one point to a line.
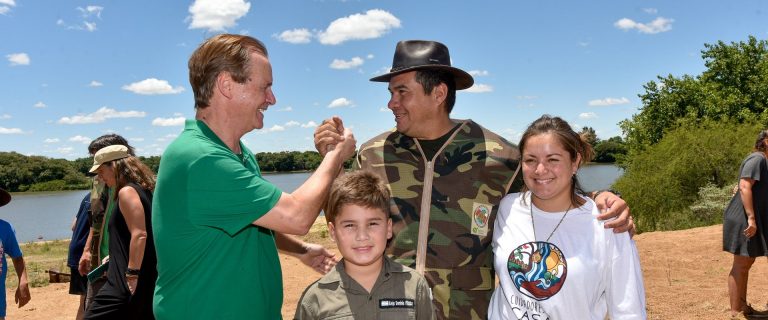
20	173
606	151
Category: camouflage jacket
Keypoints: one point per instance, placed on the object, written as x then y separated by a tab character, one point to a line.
459	191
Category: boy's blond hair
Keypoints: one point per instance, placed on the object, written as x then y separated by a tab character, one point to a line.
361	188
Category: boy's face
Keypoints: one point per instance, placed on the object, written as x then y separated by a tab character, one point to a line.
361	234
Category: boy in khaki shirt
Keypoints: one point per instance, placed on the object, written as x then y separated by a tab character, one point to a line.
365	284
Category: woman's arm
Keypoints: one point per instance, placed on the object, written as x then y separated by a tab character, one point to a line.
745	191
84	265
626	291
133	212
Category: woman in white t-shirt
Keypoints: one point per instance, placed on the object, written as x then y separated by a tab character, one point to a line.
554	259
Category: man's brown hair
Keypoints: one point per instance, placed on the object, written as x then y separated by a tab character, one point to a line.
361	188
222	53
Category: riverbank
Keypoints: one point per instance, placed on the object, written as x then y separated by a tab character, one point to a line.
684	272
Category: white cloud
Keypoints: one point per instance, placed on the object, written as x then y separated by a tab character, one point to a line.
65	150
51	140
167	137
476	73
292	123
381	71
526	97
310	124
4	130
89	26
608	102
168	122
217	15
276	128
39	104
587	115
286	109
5	6
18	59
80	139
5	116
341	64
658	25
370	25
512	135
91	11
138	139
152	86
480	88
651	10
340	102
95	83
100	116
369	56
384	109
295	36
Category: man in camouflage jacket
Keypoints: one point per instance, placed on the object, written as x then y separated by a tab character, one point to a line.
448	173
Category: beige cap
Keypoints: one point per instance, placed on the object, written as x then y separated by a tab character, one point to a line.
107	154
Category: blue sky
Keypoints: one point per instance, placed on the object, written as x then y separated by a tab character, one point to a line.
71	71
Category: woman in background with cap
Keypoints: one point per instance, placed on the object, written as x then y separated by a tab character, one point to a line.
132	268
745	227
9	245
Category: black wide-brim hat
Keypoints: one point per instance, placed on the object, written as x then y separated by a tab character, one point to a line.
5	197
411	55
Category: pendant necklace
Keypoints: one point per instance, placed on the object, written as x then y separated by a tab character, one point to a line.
553	230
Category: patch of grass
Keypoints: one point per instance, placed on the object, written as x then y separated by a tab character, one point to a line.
39	257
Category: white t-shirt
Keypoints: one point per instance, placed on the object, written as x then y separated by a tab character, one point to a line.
584	272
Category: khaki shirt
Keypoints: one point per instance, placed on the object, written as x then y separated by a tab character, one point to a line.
399	293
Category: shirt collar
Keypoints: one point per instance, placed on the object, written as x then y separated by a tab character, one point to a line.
338	274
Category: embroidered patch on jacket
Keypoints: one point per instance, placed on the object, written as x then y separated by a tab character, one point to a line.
396	304
480	214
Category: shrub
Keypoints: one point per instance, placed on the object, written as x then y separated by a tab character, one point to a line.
662	181
712	202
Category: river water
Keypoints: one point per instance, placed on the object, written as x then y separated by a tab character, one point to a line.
49	215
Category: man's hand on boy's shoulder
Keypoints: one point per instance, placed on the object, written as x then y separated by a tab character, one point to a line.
318	258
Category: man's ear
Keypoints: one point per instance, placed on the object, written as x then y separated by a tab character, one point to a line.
440	93
224	84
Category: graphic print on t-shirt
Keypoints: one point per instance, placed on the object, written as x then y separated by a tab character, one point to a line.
538	269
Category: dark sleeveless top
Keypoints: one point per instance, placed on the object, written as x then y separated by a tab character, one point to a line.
114	300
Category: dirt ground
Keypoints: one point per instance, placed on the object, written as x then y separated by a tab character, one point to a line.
685	273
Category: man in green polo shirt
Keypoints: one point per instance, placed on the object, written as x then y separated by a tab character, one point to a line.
216	220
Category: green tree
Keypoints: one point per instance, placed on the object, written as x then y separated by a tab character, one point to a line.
608	151
661	183
588	134
734	86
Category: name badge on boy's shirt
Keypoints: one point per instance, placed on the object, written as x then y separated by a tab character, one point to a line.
481	212
396	304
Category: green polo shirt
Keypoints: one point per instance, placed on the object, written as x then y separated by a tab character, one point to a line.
212	262
399	293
